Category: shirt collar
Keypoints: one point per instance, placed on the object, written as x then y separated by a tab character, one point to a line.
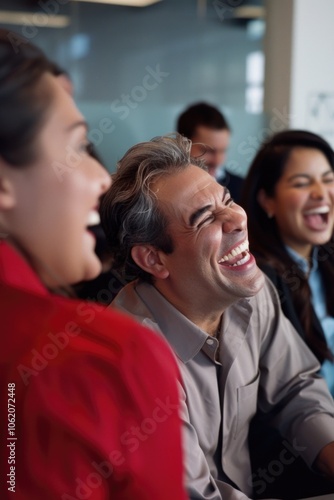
170	321
303	263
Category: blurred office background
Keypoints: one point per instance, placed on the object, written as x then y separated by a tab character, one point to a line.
135	69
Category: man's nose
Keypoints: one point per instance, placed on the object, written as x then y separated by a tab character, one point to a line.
234	219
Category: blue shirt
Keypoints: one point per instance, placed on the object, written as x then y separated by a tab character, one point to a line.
318	300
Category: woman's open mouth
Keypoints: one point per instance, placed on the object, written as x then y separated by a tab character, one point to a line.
317	218
93	218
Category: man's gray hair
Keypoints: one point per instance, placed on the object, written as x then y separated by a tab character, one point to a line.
130	214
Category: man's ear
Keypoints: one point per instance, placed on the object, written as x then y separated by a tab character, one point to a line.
148	258
7	192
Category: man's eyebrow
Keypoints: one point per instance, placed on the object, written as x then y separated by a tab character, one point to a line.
197	214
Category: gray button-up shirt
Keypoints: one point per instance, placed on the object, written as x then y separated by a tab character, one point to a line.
260	362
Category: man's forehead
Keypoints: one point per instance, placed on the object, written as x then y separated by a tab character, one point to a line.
215	138
188	188
203	131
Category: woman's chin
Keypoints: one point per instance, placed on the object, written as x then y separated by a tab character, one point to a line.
93	268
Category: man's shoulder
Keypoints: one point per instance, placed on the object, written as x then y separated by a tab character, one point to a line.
113	327
129	301
68	328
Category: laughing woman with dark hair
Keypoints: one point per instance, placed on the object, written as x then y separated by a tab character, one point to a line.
289	198
89	399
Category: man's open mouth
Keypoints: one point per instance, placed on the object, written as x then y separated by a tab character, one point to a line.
237	257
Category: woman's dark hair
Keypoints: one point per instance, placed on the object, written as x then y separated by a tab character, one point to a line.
264	237
23	104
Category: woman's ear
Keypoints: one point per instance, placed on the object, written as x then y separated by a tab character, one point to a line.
266	203
148	258
7	191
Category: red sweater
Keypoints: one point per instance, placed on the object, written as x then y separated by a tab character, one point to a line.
93	413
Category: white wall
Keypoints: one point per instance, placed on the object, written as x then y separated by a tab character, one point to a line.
299	48
312	89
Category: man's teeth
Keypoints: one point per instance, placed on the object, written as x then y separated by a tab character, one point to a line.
93	218
318	210
242	261
237	251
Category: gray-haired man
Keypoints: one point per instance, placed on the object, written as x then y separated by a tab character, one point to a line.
170	224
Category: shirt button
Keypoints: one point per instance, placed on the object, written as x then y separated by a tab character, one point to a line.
209	341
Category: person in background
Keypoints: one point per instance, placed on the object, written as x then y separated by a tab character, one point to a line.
178	231
205	125
289	199
89	399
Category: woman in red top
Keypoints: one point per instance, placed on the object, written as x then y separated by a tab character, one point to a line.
89	403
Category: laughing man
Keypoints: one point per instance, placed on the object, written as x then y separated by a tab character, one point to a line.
176	230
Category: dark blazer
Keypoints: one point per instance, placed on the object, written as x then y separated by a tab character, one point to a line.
233	183
288	308
266	444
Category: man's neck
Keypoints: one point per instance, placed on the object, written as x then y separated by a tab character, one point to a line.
205	318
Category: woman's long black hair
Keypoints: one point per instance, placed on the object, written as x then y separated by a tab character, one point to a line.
264	237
